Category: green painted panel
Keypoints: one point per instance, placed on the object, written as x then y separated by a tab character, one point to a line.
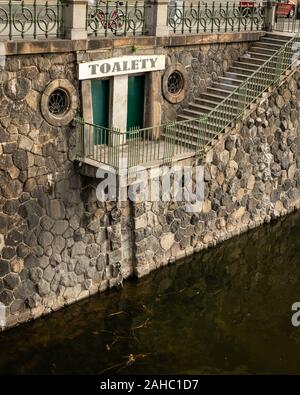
135	105
100	96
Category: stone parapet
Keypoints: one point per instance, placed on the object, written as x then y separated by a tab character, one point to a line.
26	47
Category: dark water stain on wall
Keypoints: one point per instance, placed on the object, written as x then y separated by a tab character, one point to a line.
226	310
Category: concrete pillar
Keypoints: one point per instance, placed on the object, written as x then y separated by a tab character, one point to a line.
153	101
119	95
75	19
156	18
270	8
87	112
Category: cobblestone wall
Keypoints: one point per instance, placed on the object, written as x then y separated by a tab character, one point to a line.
251	175
58	244
203	65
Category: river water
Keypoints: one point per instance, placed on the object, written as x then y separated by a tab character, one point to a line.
226	310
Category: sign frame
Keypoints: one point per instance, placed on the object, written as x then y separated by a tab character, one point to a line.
120	66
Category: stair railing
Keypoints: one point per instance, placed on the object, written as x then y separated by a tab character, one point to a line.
233	106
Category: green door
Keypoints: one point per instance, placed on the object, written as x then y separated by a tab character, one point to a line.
135	105
100	97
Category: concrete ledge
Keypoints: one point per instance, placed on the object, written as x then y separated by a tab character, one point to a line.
26	47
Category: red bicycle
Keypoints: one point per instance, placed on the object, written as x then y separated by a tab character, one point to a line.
103	15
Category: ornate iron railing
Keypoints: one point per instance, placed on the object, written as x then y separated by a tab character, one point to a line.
289	23
32	19
194	17
161	144
117	18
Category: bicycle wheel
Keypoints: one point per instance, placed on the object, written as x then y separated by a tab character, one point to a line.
96	20
116	21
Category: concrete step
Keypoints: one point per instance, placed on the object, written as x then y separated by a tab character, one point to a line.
209	97
264	51
276	36
235	76
259	55
270	65
263	44
223	86
212	128
273	40
187	135
250	67
206	107
253	61
221	91
204	103
241	70
229	80
214	119
194	113
250	59
213	102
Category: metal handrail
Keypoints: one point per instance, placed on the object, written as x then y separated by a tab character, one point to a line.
249	85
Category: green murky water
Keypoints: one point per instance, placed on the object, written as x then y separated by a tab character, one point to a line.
228	310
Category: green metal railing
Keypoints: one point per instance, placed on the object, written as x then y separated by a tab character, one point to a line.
205	129
164	143
31	19
148	146
198	16
98	143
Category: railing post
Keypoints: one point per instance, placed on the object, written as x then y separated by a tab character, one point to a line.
75	19
270	8
156	17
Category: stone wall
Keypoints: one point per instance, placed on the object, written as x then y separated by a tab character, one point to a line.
252	174
58	244
203	65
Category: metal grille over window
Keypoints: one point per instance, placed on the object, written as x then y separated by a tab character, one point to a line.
58	102
175	83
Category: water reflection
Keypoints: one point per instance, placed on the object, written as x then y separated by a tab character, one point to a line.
227	310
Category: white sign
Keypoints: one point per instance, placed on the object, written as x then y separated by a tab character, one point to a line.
122	65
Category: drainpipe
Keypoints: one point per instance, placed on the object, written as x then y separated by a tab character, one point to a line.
270	8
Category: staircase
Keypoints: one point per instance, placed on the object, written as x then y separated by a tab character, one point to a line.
258	53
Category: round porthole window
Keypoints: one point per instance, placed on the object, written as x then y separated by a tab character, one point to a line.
59	102
174	83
